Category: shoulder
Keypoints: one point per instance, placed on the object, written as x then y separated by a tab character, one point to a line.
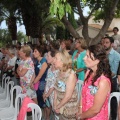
74	53
114	53
43	60
82	54
104	82
71	75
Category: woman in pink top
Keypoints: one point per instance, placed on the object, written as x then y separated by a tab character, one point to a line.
97	86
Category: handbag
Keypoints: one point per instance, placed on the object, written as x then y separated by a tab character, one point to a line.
47	102
36	85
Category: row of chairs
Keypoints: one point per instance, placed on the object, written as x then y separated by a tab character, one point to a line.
6	100
9	111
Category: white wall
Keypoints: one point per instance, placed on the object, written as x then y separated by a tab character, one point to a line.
114	23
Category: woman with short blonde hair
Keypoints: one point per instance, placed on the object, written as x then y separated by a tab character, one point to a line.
26	72
66	59
27	50
65	94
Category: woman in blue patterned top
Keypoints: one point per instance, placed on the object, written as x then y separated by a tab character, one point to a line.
50	82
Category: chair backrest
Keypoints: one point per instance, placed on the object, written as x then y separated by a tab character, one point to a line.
18	102
117	96
3	77
79	88
36	111
18	90
10	85
7	79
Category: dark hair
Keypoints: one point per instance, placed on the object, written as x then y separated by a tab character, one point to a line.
19	43
103	66
18	48
40	49
116	28
52	52
110	39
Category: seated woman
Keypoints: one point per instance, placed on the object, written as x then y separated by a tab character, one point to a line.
97	86
65	94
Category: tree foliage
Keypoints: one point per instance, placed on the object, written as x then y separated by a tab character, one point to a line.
60	7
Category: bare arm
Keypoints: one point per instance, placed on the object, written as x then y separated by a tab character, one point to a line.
9	68
100	97
55	99
79	70
41	72
69	90
22	72
49	92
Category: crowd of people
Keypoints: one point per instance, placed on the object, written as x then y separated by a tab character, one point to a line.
48	74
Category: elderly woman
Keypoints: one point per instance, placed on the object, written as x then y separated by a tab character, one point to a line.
11	62
65	94
97	86
26	72
77	58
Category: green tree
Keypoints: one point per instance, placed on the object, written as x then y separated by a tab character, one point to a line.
72	20
110	7
5	37
36	17
9	14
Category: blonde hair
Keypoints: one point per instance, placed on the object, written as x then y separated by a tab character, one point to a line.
66	60
83	42
27	50
11	51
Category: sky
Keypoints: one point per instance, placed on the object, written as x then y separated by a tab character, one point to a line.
22	27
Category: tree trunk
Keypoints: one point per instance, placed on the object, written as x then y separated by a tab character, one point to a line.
35	26
12	27
70	27
26	21
109	17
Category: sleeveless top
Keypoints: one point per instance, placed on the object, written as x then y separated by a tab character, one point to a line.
69	110
88	92
38	66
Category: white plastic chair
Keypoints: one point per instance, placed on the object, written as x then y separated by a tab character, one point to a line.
8	102
117	96
2	85
6	80
79	88
11	113
6	93
36	111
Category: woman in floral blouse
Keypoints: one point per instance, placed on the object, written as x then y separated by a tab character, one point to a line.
26	72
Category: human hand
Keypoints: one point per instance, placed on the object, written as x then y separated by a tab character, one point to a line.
44	97
78	115
32	86
57	110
